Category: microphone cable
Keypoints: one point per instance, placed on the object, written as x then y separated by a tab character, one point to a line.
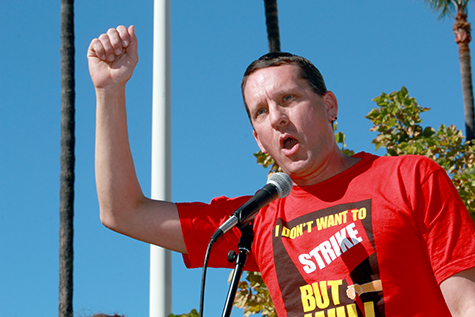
203	277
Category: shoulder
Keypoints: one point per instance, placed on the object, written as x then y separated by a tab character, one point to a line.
401	169
410	163
221	206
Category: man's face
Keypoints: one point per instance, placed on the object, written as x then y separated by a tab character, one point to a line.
291	122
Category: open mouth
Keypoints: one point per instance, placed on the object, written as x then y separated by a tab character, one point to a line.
289	143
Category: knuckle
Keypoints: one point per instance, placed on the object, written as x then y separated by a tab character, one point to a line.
103	37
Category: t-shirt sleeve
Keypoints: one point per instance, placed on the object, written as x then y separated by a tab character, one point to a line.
198	223
445	226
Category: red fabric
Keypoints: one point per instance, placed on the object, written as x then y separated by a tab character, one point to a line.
396	222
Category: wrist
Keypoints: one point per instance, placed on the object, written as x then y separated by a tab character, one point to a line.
110	90
110	95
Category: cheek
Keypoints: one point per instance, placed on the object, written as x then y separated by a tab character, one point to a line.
270	142
265	138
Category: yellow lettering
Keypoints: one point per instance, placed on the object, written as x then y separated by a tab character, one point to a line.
299	230
344	213
308	301
331	312
338	219
362	213
309	226
351	309
296	231
322	223
321	295
369	309
340	311
293	233
334	286
285	232
333	220
277	230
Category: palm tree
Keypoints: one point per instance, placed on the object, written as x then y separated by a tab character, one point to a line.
272	23
461	30
66	204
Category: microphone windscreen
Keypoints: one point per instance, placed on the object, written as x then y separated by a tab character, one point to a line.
282	182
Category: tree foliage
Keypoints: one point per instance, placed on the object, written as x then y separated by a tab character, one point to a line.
253	297
447	8
192	313
398	123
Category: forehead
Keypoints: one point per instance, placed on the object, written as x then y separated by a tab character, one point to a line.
274	79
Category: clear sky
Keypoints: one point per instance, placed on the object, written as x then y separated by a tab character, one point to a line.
362	48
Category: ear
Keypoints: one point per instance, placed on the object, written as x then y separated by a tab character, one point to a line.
331	104
256	137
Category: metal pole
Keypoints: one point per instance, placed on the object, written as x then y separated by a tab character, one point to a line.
160	259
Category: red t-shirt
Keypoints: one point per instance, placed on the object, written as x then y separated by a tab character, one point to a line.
374	240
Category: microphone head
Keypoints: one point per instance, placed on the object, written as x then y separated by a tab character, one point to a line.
282	182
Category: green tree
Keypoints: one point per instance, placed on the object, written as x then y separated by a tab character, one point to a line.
253	297
67	160
398	123
461	30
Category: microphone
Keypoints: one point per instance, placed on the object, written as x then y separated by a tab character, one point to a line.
278	185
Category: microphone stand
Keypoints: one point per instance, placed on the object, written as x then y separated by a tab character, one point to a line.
244	247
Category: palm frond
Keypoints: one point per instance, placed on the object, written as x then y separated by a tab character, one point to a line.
447	8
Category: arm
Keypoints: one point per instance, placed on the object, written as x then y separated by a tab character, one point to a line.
459	293
123	207
358	289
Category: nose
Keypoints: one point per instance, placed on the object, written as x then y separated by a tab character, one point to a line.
278	116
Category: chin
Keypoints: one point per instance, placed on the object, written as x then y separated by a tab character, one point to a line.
294	170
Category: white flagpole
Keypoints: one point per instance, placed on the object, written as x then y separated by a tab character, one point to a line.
160	259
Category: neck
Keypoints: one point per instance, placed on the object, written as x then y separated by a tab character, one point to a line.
331	166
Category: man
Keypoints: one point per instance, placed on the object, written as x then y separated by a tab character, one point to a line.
359	235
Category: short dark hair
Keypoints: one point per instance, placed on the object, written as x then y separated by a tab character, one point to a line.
308	71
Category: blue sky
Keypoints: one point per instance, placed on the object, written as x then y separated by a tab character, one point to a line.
362	48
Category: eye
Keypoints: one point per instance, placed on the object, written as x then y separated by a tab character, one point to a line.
287	97
261	111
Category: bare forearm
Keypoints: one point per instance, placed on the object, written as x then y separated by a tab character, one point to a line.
117	185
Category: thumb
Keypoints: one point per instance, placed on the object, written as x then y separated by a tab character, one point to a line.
132	48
